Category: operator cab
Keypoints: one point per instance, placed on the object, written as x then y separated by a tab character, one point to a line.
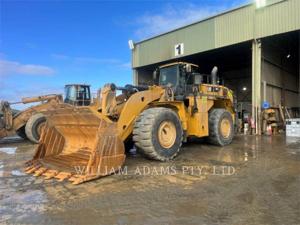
178	73
179	76
77	94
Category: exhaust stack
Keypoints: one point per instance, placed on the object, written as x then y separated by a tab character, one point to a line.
214	75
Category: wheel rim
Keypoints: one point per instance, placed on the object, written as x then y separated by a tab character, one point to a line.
167	134
225	128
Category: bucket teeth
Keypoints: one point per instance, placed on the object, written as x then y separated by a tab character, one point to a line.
50	174
73	178
32	168
77	179
39	171
62	176
30	163
28	168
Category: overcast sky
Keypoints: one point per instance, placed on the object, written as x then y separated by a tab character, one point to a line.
46	44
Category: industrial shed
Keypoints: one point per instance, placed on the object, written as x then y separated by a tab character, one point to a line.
256	48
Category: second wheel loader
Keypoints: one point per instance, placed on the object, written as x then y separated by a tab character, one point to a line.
29	123
81	144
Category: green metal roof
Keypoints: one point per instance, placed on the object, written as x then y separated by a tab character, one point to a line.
232	27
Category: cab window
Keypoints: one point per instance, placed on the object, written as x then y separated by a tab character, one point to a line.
168	76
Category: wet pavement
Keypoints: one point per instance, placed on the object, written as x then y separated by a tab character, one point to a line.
255	180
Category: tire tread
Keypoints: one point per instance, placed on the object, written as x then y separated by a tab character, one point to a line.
142	133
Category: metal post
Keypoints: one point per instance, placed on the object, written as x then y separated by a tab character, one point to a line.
298	105
264	90
135	77
256	85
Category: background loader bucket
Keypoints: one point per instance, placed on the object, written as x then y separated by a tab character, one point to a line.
77	145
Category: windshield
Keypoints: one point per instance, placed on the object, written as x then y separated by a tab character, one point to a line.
70	92
168	75
77	93
83	93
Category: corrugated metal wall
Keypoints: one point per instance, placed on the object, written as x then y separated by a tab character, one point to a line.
233	27
196	38
278	18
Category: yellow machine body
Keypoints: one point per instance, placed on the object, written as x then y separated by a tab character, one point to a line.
85	143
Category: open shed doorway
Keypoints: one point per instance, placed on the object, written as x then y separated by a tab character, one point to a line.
234	71
280	72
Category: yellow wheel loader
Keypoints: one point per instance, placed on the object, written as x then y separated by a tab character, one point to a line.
29	122
81	144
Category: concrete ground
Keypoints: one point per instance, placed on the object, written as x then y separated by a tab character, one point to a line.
256	180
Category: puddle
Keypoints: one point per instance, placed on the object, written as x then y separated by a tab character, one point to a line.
9	151
31	197
1	171
17	173
246	156
10	140
293	145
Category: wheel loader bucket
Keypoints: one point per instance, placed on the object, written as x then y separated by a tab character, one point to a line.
78	146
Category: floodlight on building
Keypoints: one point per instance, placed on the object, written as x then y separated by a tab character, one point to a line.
260	3
244	89
131	44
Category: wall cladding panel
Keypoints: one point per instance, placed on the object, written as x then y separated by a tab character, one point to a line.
196	38
277	18
291	99
242	24
234	27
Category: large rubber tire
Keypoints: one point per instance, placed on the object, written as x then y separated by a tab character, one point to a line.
32	128
216	116
146	129
21	133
